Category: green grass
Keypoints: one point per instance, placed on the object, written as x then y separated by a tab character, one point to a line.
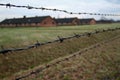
24	60
11	64
17	37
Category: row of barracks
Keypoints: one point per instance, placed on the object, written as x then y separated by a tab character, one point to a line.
45	21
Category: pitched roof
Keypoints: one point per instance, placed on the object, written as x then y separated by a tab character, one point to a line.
65	20
104	21
24	20
86	20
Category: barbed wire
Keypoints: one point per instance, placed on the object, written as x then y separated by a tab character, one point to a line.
35	72
60	39
8	5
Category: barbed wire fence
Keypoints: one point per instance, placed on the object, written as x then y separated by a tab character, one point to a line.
8	5
39	70
37	44
60	39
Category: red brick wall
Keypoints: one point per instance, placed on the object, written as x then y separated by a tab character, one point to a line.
75	22
92	22
48	22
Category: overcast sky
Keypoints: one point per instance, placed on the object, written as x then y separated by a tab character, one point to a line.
92	6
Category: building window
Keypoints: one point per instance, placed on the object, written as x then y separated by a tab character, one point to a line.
29	20
53	23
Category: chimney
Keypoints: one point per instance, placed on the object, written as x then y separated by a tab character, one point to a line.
24	17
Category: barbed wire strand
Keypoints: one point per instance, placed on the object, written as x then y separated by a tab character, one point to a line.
66	58
60	39
8	5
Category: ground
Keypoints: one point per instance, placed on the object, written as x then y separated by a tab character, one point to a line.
16	63
17	37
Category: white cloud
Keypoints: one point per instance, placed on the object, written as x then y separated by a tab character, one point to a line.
114	1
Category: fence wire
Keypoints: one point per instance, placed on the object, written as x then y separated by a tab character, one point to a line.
60	39
8	5
37	71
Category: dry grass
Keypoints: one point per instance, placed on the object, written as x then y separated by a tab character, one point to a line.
24	60
102	63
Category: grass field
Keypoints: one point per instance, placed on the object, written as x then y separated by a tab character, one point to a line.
97	64
102	63
17	37
17	62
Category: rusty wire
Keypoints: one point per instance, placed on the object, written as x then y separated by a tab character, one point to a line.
60	39
8	5
66	58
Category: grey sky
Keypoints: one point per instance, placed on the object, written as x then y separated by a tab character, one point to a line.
95	6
